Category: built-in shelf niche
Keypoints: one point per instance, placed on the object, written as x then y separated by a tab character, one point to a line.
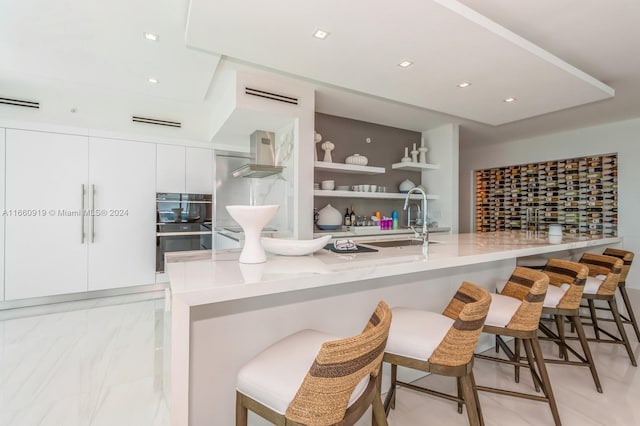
579	193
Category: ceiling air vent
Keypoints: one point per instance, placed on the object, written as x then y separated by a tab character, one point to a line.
18	102
156	121
272	96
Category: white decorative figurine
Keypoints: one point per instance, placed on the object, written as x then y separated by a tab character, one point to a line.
327	148
317	137
423	152
406	158
414	154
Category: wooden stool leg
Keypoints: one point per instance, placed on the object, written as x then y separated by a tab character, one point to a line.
459	386
562	348
241	411
475	394
390	399
577	324
532	367
469	400
379	417
623	335
594	318
516	358
629	308
546	383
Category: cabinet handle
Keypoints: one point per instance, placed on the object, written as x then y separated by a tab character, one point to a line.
82	214
93	210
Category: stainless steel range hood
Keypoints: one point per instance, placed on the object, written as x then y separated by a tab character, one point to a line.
256	171
262	148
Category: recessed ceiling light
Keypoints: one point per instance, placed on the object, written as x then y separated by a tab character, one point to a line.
151	36
153	80
509	100
464	84
321	34
405	64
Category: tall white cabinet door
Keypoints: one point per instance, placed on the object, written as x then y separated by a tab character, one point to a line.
45	253
199	174
2	219
122	197
170	172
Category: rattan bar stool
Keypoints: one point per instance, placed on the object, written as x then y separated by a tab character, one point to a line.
604	274
627	259
440	344
312	378
515	312
566	284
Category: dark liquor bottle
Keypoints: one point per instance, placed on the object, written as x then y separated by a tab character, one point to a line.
347	218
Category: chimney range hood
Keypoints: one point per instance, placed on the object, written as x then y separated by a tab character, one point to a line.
262	148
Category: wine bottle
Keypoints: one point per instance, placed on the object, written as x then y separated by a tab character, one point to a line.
353	216
347	218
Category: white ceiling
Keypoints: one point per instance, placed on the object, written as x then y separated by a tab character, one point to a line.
552	56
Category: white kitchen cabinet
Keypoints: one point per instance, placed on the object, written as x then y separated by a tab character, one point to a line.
170	168
2	218
45	251
80	214
199	171
184	169
122	229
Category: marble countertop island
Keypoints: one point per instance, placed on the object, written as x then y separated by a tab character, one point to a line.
216	277
224	312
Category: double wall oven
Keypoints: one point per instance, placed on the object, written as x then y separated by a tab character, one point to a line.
183	222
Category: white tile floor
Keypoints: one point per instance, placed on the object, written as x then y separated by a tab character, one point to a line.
96	364
100	363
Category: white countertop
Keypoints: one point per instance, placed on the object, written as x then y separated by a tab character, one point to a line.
218	277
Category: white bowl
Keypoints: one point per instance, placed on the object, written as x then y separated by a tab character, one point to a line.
294	247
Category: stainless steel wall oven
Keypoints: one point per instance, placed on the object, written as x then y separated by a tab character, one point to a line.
183	223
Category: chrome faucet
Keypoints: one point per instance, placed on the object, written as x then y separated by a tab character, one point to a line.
425	231
418	219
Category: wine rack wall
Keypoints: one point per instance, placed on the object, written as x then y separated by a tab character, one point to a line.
579	193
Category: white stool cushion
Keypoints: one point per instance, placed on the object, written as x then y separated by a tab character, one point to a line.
274	376
555	294
415	333
501	310
593	284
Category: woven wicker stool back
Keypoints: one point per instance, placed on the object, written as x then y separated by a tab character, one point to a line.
565	272
468	307
610	267
339	366
530	287
625	256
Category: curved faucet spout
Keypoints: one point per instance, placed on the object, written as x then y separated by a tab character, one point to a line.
425	231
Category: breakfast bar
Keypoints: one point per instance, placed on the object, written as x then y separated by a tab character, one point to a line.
224	312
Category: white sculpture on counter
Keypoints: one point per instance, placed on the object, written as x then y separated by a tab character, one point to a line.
252	219
327	148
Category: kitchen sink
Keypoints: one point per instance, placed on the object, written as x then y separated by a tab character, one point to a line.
399	243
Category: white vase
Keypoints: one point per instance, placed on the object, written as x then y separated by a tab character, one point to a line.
252	219
406	185
329	217
423	155
327	147
357	160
